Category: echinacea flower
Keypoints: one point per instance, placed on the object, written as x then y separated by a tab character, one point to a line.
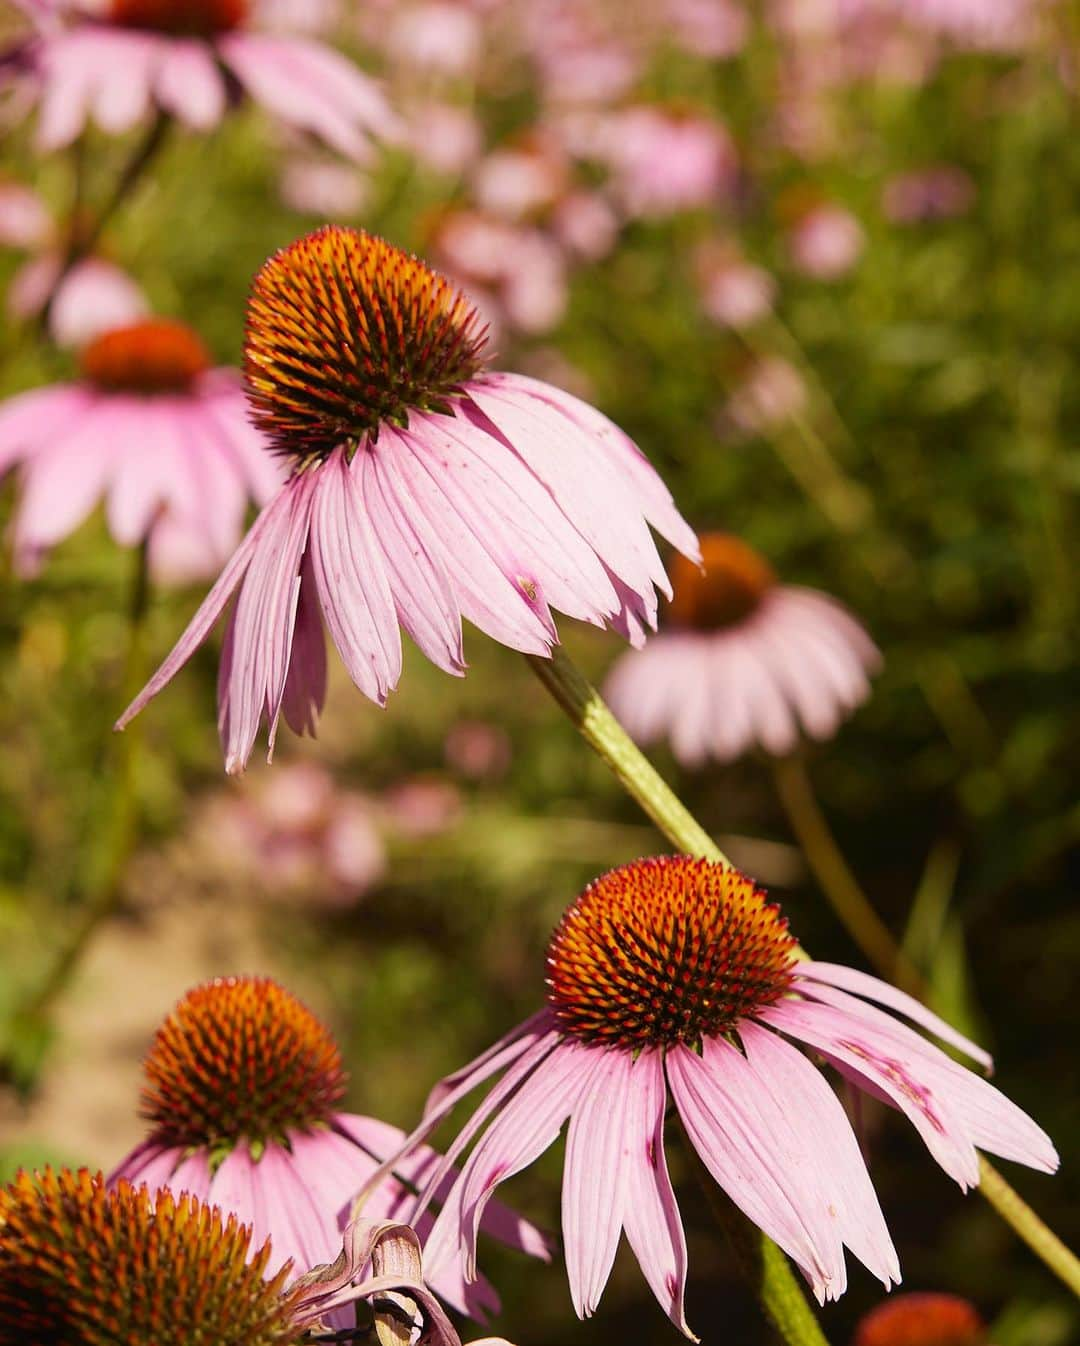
85	1265
153	430
742	661
118	64
675	979
922	1319
424	489
242	1090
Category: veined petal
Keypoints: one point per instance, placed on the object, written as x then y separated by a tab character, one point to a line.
353	588
654	1227
305	683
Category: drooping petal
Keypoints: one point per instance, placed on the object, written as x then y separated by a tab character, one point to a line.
352	583
305	684
654	1227
799	1087
188	83
31	421
873	988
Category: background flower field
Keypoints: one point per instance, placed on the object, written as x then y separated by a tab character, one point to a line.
821	262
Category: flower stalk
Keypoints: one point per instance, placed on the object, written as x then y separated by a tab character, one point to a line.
601	730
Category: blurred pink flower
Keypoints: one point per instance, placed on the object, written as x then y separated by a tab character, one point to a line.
477	749
663	161
242	1090
438	36
515	181
742	662
770	392
422	807
936	193
25	221
445	138
326	188
994	25
116	66
734	292
825	242
716	29
425	490
94	296
585	225
722	1020
149	427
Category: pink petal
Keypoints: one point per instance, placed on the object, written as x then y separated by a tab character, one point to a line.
872	988
423	595
209	610
122	98
445	1095
799	1087
148	1165
594	1190
188	84
305	683
33	420
352	583
748	1147
654	1227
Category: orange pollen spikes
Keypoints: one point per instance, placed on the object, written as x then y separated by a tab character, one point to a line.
922	1319
240	1059
734	581
154	356
666	950
188	18
84	1266
345	332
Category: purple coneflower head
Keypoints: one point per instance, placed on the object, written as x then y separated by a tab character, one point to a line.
122	60
85	1264
676	979
153	430
423	489
243	1086
922	1319
742	661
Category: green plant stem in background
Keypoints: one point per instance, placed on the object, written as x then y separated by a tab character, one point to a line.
606	736
837	882
104	866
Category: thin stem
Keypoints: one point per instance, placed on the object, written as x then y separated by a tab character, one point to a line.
105	886
779	1292
610	741
602	731
81	241
839	885
760	1261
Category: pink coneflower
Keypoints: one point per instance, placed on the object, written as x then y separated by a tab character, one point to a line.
675	979
424	489
922	1319
118	63
742	661
85	1265
150	428
242	1091
826	242
667	159
734	292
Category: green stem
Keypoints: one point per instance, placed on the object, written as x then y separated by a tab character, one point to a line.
839	885
780	1293
760	1261
105	886
602	731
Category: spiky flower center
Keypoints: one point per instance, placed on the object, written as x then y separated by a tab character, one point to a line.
730	587
84	1266
926	1319
187	18
157	355
666	950
345	332
240	1059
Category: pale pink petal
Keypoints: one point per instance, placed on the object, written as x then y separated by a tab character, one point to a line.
302	1230
900	1076
33	420
594	1190
192	1175
748	1147
69	76
189	84
485	593
222	400
93	297
691	704
873	988
654	1227
148	1165
233	1188
525	1128
209	610
352	583
800	1089
423	595
122	98
305	684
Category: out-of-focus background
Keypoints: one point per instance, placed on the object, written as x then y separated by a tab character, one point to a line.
820	258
